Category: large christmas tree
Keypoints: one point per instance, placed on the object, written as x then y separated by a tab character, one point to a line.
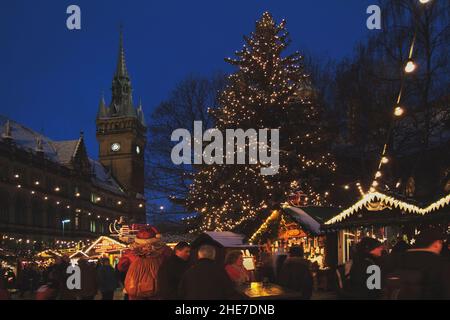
269	90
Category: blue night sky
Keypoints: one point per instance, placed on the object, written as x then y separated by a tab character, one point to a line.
51	78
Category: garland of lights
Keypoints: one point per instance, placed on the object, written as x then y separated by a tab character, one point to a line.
274	215
398	111
58	243
391	202
58	202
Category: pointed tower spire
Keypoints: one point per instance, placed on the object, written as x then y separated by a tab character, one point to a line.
121	102
102	108
121	70
39	147
7	133
140	113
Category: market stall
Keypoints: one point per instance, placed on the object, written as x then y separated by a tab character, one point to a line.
298	226
224	242
103	247
385	218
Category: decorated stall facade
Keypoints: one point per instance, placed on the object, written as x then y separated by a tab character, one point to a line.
298	225
386	218
112	246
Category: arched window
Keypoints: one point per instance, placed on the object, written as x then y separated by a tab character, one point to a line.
4	206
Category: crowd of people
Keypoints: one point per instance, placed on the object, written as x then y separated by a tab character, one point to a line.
151	270
419	271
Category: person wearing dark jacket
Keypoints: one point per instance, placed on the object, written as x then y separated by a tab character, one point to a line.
295	273
88	280
419	273
400	246
368	252
106	279
59	275
172	270
206	280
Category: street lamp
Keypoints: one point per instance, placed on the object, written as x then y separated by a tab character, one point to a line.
63	224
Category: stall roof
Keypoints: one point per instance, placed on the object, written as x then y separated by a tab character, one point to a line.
79	254
386	201
311	218
227	238
224	239
106	241
49	254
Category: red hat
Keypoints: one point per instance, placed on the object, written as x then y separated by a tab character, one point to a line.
147	235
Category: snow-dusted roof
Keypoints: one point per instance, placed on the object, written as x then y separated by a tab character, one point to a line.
305	219
103	179
311	218
227	239
61	152
65	150
27	139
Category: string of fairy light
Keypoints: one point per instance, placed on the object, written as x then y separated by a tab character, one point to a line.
264	80
59	244
240	109
398	110
59	201
34	190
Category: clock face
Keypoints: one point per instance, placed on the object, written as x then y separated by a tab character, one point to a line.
115	147
138	150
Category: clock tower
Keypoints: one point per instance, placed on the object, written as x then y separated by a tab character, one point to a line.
121	132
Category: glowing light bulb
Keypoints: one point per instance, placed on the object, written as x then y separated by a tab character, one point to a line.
424	1
399	111
378	174
410	66
384	160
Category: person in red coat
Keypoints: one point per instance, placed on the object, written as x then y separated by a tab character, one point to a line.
141	264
